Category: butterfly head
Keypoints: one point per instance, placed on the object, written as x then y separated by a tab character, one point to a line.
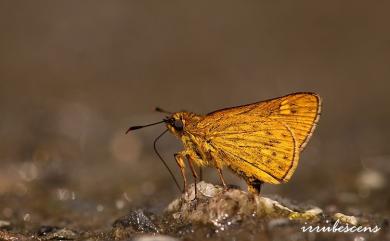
176	123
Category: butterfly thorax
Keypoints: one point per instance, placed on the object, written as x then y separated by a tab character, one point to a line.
184	126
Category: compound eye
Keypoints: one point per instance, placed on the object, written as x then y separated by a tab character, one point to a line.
178	125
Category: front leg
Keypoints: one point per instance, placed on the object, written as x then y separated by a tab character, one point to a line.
179	157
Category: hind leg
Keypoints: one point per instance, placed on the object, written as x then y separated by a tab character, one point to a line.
254	186
194	174
222	179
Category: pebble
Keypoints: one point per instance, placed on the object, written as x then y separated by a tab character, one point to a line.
45	230
136	220
55	233
4	224
149	237
345	218
371	179
314	212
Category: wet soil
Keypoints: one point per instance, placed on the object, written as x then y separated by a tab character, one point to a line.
215	214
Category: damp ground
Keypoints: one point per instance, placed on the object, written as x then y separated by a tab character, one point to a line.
215	214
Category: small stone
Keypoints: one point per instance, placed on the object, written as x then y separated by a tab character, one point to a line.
370	179
4	224
314	211
136	220
149	237
44	230
345	218
359	238
27	217
272	208
120	204
313	214
56	233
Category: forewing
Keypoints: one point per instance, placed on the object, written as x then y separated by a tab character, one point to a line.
299	111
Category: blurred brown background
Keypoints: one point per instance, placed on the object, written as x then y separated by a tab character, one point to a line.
74	75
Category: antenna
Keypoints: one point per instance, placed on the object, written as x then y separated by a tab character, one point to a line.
158	109
132	128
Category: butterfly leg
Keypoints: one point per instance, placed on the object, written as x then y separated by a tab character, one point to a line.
180	162
255	186
221	177
194	174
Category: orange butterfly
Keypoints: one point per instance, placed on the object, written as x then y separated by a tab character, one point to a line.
260	142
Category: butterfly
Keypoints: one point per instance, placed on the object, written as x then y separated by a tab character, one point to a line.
260	142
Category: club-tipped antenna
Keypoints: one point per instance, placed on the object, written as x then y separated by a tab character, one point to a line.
132	128
158	109
162	160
